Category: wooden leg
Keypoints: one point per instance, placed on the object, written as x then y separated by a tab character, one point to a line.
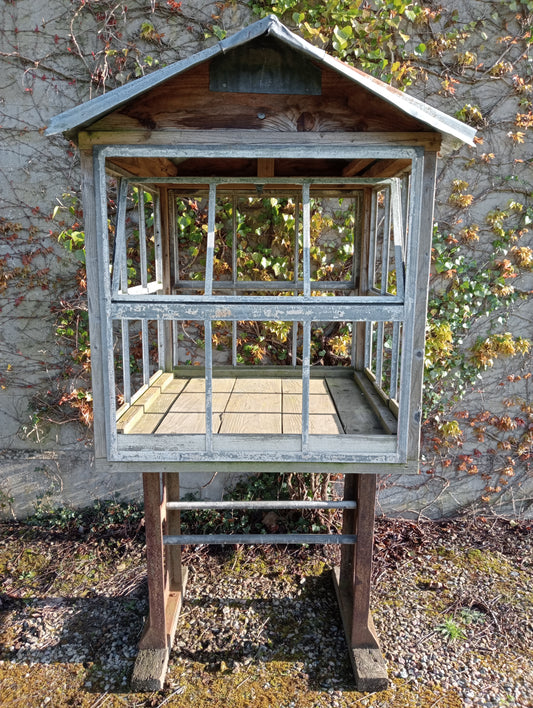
172	484
362	633
352	582
155	636
165	586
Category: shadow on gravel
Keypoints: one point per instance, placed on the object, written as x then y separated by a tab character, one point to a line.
101	633
304	626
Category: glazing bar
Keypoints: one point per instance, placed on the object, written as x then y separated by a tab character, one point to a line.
158	246
296	254
175	344
397	227
373	239
208	348
379	354
294	352
161	343
126	379
306	366
395	360
142	239
260	539
292	504
145	352
258	285
234	275
368	344
306	209
385	246
210	253
120	268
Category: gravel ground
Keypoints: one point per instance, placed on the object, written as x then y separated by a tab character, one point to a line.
260	626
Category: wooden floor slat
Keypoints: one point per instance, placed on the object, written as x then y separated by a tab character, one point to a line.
251	406
244	423
318	424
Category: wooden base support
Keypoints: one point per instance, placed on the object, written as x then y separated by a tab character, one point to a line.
369	667
151	664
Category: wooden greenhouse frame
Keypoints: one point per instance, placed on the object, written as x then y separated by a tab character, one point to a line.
262	114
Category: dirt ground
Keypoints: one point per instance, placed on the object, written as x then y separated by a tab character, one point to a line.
260	627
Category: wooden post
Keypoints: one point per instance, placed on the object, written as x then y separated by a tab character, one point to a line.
93	299
166	583
175	575
154	636
352	584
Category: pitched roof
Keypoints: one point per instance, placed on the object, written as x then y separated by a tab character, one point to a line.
80	117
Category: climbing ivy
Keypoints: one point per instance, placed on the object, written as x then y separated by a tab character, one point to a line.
472	59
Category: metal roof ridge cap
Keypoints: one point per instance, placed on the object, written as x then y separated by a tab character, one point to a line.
256	29
280	31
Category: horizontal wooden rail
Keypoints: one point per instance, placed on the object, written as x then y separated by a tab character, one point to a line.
259	539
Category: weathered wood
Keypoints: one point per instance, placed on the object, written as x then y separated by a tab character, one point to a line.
155	633
197	467
257	308
316	386
421	300
254	403
195	402
173	528
151	167
151	664
257	385
145	424
220	385
386	417
265	167
355	414
186	102
150	670
362	632
355	167
251	424
93	299
264	67
386	168
252	137
129	418
185	423
363	248
327	424
319	403
368	665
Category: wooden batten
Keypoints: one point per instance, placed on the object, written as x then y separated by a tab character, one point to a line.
145	167
265	167
355	167
386	168
255	137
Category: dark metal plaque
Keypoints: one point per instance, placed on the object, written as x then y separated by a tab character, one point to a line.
265	66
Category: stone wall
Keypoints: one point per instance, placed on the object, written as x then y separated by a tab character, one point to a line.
58	53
